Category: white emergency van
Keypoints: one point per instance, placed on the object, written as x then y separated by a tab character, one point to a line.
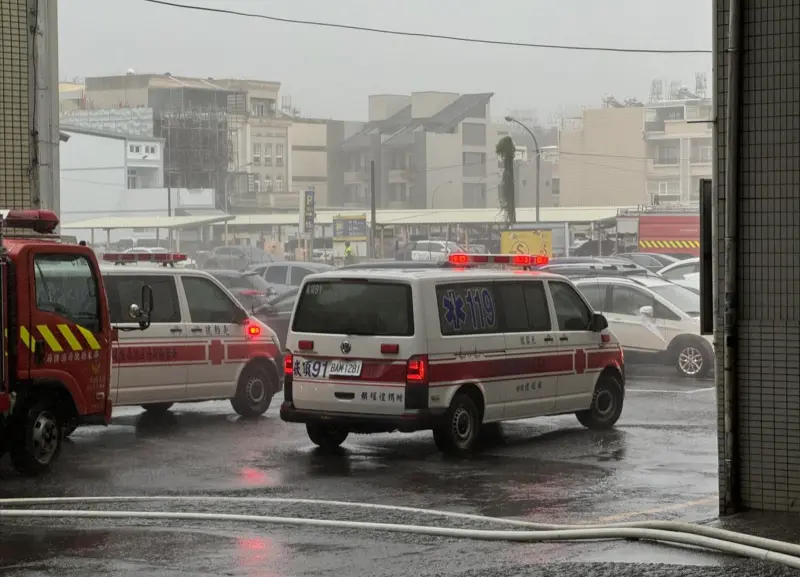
451	350
200	345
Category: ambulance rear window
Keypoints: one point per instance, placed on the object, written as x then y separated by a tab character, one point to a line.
355	307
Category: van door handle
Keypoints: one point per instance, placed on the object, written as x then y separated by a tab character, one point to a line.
564	338
197	329
548	339
176	330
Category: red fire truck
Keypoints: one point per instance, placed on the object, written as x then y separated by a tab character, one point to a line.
57	339
666	230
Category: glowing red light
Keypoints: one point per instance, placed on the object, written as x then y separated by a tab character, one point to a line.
253	330
288	364
522	260
459	258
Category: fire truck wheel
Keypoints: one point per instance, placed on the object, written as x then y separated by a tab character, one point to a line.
157	407
325	436
461	427
254	393
606	405
69	427
37	435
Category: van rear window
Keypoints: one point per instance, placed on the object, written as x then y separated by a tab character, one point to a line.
355	307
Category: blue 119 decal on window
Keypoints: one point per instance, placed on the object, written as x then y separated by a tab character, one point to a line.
466	309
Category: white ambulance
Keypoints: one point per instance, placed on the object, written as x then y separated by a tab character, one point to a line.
451	350
200	344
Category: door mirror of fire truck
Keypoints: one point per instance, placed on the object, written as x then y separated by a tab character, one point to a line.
599	323
141	313
147	299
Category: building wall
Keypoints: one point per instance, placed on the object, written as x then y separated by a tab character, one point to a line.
15	130
768	273
309	157
443	170
382	106
603	162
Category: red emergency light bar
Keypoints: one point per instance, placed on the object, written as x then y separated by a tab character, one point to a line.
511	259
41	221
160	257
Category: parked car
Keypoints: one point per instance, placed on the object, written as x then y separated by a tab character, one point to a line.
236	257
679	270
285	276
653	317
590	269
249	288
277	313
652	261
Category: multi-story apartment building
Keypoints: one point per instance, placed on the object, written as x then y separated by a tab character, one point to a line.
677	136
636	153
430	150
226	134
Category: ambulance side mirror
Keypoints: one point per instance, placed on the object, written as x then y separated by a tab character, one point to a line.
240	316
599	323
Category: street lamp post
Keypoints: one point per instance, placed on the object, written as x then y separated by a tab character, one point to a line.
435	188
538	160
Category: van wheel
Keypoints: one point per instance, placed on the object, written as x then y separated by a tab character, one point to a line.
460	428
254	393
37	434
606	405
325	436
157	407
693	360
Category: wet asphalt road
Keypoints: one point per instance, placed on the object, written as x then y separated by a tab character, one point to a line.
660	463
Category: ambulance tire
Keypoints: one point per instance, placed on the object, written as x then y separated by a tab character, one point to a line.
254	393
157	407
37	434
606	406
326	437
461	427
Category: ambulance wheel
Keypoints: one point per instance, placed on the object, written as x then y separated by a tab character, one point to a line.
157	407
254	393
37	435
325	436
606	405
460	428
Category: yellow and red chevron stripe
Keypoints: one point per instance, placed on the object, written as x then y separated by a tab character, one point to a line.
669	244
71	340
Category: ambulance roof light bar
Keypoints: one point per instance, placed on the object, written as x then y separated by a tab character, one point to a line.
157	257
40	221
461	258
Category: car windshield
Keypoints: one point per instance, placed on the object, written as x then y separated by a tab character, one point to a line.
683	298
355	307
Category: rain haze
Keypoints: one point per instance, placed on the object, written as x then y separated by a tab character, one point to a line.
329	72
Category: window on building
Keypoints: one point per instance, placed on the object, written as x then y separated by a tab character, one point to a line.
267	183
474	164
257	184
267	155
133	179
473	134
279	184
668	154
278	155
256	154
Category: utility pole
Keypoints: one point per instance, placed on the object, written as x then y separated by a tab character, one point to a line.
372	208
538	160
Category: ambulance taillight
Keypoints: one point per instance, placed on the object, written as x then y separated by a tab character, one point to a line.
288	372
463	259
417	382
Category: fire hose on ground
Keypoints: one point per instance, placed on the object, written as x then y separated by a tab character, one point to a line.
672	532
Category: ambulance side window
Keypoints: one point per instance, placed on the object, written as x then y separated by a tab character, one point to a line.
571	310
468	309
125	290
207	302
65	285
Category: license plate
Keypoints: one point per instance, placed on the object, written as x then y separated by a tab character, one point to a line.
344	369
324	369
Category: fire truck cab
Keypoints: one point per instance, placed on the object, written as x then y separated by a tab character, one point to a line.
56	340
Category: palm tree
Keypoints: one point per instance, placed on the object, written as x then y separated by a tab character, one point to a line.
506	151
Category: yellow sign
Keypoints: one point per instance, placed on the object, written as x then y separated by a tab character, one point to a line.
539	242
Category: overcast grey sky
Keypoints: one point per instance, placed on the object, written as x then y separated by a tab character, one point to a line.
329	73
